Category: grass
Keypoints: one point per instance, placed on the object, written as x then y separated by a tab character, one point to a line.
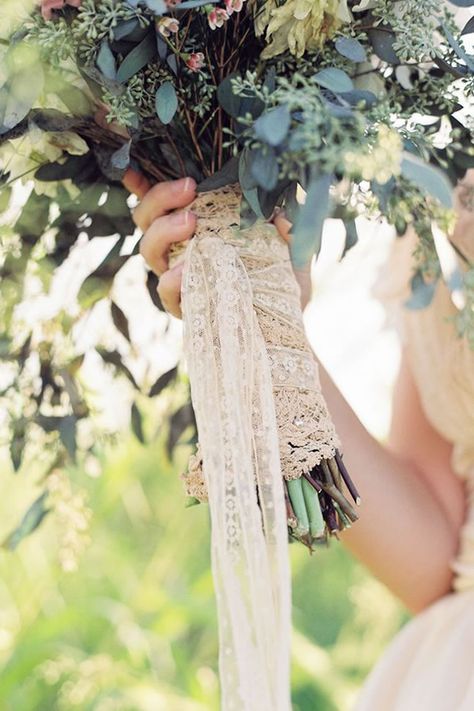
134	628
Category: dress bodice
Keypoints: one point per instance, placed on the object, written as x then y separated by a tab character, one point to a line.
442	364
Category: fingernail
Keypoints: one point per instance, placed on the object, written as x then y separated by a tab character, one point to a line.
185	185
180	218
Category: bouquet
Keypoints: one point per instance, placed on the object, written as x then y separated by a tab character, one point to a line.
365	106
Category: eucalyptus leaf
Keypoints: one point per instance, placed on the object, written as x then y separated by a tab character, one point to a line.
166	102
308	228
229	101
421	292
18	96
106	61
429	179
273	126
124	29
229	173
121	158
140	56
265	168
336	80
382	40
190	4
351	48
468	59
468	27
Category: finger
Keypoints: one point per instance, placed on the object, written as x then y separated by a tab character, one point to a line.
169	290
136	183
163	232
283	226
163	198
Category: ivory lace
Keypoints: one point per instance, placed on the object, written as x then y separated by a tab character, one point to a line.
260	414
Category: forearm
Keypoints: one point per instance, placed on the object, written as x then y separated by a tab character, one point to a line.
403	534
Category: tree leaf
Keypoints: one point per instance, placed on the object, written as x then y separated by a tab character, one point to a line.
163	381
309	223
136	420
29	523
429	179
17	443
152	288
71	168
166	102
33	219
179	422
120	320
114	358
67	434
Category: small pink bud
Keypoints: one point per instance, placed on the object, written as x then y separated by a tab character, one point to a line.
217	17
47	6
195	61
167	26
233	6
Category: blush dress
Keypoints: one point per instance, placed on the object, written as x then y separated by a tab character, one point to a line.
429	666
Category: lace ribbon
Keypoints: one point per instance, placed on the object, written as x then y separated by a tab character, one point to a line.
231	390
260	414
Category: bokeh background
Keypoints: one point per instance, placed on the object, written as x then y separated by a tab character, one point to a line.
127	622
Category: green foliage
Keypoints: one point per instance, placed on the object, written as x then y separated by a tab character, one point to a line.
134	628
166	102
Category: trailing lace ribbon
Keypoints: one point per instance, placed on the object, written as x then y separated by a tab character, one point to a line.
261	417
231	388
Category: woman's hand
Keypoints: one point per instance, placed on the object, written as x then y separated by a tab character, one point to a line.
163	219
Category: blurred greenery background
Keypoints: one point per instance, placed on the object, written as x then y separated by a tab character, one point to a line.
129	623
134	627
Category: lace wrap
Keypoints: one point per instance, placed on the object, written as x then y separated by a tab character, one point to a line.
306	432
256	395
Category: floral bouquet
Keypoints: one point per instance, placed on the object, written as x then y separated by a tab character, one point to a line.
365	106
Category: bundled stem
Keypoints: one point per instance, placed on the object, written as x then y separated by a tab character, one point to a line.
322	490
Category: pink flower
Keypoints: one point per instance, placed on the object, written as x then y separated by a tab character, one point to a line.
233	6
195	61
217	17
167	25
47	6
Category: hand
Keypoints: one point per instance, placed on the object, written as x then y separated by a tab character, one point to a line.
163	219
